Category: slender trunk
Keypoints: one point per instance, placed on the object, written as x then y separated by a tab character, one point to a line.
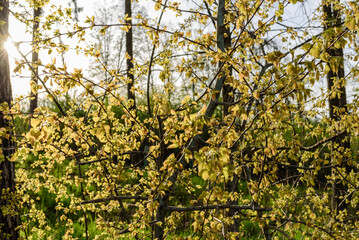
227	89
35	59
224	43
8	220
129	53
332	18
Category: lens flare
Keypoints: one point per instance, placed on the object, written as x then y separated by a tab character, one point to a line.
10	48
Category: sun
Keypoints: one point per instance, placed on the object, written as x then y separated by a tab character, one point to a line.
11	48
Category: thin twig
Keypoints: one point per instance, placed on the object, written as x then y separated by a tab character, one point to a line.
220	206
114	198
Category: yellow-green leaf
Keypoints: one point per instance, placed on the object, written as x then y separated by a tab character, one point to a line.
350	24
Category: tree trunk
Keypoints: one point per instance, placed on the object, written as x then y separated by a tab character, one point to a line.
8	218
227	89
129	53
224	42
332	18
35	59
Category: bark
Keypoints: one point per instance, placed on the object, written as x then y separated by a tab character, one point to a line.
227	89
129	53
224	43
35	59
332	18
8	220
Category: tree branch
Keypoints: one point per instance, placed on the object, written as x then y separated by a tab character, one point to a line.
114	198
280	230
221	206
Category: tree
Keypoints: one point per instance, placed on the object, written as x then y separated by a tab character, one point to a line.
35	59
8	215
110	42
129	53
335	74
227	89
337	89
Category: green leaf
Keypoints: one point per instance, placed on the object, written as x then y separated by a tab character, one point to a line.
350	24
173	145
205	174
315	52
291	70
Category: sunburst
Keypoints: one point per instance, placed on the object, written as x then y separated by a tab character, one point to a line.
11	49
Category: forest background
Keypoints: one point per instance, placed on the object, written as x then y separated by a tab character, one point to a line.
213	119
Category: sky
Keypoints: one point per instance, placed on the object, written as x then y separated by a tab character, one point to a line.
17	32
20	84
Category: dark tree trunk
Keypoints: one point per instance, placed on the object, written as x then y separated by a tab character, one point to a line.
9	220
227	89
129	53
332	18
135	158
224	44
35	59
